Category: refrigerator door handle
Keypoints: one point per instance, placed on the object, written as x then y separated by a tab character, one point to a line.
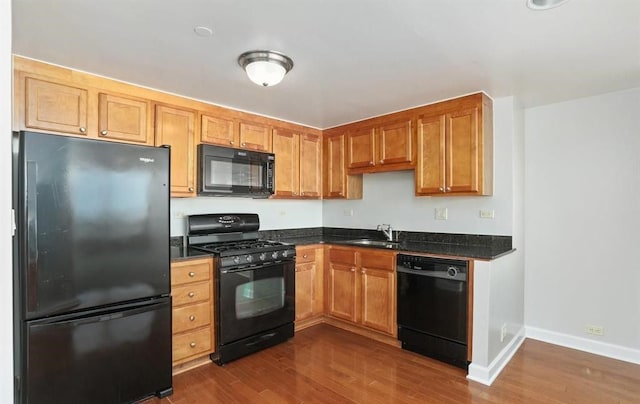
32	230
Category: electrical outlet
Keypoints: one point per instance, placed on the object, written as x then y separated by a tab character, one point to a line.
178	215
503	332
595	330
441	214
347	212
487	213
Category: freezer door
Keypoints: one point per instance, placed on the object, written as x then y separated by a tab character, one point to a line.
107	357
94	223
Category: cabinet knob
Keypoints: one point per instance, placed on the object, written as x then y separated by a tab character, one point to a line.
190	189
192	318
448	189
191	294
103	133
381	161
192	345
244	144
82	130
353	270
304	256
441	189
192	274
371	163
362	272
302	193
230	141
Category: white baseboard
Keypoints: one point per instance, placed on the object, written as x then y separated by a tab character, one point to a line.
585	344
488	374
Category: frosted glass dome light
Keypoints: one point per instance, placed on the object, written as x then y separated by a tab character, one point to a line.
265	68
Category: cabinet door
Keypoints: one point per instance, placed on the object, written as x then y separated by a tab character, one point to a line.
124	119
305	290
55	107
217	130
286	147
334	167
378	299
462	159
255	136
175	128
430	167
394	143
310	166
342	291
361	148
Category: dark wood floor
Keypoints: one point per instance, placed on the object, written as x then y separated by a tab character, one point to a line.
323	364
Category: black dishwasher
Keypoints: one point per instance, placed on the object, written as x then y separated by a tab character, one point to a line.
432	307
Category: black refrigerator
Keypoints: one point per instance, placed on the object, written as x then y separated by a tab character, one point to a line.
92	306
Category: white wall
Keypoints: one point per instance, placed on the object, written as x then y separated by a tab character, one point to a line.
6	293
583	218
274	214
389	197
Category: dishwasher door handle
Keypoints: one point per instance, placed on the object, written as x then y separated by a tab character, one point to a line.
459	277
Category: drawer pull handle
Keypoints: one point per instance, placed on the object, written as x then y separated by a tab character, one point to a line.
304	256
191	294
192	345
192	318
192	274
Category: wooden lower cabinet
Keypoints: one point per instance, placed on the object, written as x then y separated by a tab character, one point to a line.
309	285
192	309
361	287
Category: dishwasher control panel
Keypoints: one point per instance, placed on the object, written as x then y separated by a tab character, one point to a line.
438	267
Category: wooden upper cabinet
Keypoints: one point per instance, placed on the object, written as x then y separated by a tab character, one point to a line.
176	128
255	136
218	130
387	146
395	144
310	166
298	164
335	181
455	150
361	148
55	107
286	147
124	119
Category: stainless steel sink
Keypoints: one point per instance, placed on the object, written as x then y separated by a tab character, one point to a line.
373	243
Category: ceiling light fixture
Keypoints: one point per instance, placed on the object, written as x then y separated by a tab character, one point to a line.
264	67
544	4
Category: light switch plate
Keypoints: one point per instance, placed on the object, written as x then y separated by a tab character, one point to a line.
487	213
441	214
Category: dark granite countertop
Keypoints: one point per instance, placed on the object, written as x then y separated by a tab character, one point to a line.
469	246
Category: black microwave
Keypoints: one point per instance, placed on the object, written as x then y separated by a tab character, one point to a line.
223	171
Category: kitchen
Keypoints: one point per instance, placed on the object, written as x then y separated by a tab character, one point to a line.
511	137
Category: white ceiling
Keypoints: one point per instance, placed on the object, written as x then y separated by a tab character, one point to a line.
353	58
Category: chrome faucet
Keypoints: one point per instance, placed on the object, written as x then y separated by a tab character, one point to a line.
387	230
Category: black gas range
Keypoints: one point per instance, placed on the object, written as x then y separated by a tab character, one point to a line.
254	283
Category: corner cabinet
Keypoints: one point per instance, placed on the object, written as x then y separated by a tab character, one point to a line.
299	167
336	183
192	309
361	288
455	148
175	127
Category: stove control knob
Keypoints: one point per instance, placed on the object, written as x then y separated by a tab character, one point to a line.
249	258
285	253
236	260
274	255
263	256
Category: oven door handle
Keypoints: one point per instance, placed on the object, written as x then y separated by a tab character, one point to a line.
459	277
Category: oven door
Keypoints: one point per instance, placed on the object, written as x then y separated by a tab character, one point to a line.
255	299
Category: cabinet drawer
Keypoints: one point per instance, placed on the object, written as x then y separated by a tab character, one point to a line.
187	272
191	293
191	343
305	255
191	316
377	260
342	256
